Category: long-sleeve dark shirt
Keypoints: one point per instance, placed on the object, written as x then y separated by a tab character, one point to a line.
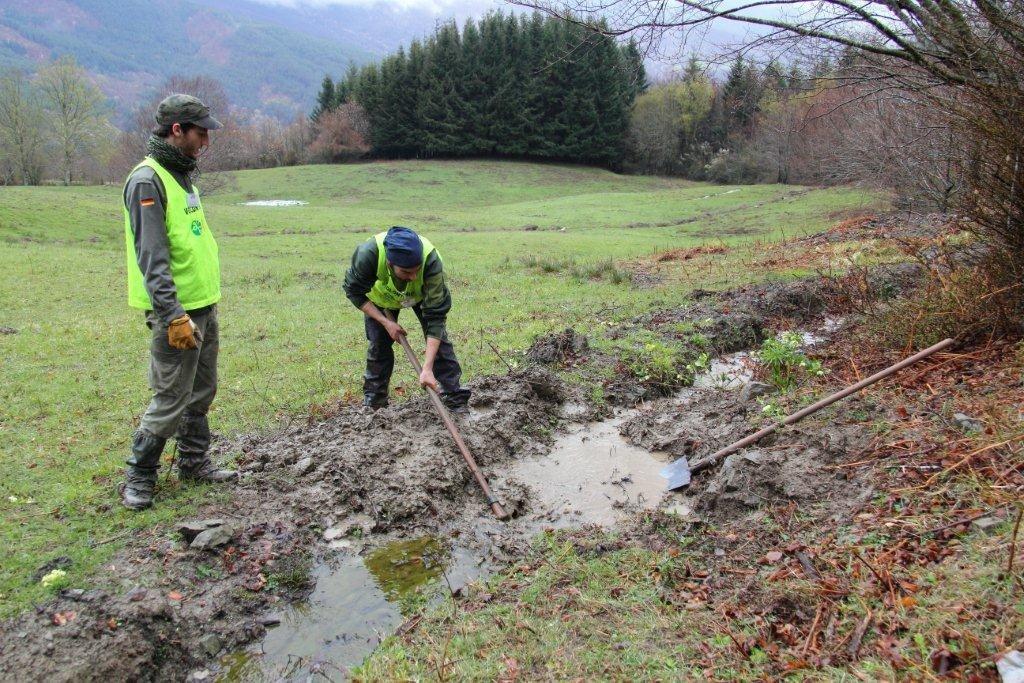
152	248
437	300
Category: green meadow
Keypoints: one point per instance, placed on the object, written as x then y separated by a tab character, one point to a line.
74	356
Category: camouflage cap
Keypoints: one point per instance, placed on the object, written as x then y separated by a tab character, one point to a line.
185	109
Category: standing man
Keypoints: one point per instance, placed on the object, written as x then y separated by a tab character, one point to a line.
394	270
174	276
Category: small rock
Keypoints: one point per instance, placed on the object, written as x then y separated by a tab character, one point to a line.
136	594
756	456
719	552
199	675
212	538
210	644
189	530
348	526
679	509
75	594
303	466
8	330
986	524
340	544
967	423
269	620
772	556
1011	667
752	390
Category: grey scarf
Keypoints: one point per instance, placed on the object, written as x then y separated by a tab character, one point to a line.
169	156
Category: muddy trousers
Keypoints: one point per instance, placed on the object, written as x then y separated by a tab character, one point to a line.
380	362
184	383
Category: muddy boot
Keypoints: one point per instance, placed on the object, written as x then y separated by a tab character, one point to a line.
194	464
375	401
141	473
202	470
456	407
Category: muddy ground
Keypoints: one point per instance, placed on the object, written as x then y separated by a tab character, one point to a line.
341	484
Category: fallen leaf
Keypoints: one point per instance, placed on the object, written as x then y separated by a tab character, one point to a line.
61	618
772	556
174	595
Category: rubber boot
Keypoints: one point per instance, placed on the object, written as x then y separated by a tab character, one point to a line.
141	473
194	464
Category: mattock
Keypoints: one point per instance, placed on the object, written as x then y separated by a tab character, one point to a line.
446	418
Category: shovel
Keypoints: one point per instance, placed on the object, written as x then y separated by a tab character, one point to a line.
678	472
446	418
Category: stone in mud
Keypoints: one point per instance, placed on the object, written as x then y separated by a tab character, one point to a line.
136	594
212	538
189	530
348	526
303	466
751	390
210	644
967	423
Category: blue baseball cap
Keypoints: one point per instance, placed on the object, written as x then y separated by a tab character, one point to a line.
403	247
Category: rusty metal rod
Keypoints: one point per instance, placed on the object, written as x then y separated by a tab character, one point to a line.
496	508
710	460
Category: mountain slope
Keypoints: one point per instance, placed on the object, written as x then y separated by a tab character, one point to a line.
131	46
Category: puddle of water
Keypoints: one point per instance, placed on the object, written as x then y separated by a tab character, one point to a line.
591	476
727	372
275	202
810	338
354	606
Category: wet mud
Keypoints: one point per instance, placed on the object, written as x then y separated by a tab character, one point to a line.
336	522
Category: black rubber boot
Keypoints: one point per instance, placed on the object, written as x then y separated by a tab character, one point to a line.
194	464
375	401
141	473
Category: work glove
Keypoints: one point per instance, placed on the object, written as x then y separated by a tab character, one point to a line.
182	333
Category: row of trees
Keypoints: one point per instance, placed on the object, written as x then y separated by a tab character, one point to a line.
810	122
525	86
55	125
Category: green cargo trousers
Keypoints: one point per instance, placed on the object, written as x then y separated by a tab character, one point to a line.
184	382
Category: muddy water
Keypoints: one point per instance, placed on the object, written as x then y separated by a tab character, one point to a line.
355	605
592	476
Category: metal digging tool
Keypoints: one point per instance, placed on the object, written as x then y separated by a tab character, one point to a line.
678	472
496	508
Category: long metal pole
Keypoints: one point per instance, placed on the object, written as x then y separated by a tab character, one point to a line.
710	460
496	508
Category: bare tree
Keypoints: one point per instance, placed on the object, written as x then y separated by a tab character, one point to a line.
21	128
342	134
73	104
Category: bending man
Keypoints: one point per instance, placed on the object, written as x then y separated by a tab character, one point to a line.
174	276
394	270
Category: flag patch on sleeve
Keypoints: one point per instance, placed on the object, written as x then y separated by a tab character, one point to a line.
147	202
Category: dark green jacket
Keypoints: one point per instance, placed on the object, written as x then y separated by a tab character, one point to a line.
437	300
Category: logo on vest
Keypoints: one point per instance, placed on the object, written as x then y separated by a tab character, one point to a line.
197	227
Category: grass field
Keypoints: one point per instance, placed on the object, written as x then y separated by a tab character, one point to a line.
74	368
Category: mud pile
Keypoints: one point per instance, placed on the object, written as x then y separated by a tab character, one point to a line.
398	467
172	608
795	464
558	347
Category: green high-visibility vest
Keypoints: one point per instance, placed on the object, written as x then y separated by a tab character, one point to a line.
385	292
195	266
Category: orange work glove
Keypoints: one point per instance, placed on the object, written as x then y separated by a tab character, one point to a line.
182	333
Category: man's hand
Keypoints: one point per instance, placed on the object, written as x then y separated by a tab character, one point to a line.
427	379
394	329
183	334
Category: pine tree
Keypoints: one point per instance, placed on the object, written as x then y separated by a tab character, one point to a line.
324	100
